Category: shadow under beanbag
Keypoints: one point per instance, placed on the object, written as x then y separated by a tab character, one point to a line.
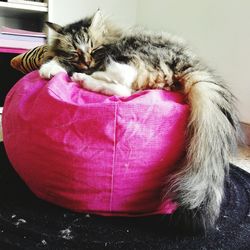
94	153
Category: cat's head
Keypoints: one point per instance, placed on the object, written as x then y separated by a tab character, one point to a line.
76	43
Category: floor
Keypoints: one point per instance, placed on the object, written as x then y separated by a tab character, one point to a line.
243	158
1	133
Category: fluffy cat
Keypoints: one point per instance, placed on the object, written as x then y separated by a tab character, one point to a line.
104	58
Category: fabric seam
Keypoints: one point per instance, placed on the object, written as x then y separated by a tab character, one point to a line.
114	158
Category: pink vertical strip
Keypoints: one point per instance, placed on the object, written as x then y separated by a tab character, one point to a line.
114	159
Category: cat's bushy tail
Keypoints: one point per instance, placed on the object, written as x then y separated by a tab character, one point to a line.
213	133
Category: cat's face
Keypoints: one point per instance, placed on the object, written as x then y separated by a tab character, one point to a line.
76	43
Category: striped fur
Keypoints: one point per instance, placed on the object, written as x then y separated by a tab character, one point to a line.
162	61
30	60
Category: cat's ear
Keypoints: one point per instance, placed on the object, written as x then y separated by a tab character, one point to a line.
56	27
97	21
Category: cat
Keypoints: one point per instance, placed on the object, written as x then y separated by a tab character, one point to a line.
113	61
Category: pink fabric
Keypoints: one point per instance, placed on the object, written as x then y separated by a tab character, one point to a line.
12	50
93	153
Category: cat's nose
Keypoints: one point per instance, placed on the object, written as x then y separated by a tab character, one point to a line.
82	66
88	59
88	62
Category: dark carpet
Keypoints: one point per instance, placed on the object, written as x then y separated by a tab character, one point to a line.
27	222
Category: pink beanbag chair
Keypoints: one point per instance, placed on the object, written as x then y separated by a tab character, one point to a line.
94	153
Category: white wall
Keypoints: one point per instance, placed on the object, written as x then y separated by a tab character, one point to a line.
66	11
219	30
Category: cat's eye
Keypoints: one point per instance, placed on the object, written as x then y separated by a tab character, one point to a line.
62	53
96	49
75	56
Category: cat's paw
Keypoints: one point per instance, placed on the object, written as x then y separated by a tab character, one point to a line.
84	80
107	88
80	78
87	82
50	69
119	90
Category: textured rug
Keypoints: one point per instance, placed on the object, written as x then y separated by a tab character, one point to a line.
27	222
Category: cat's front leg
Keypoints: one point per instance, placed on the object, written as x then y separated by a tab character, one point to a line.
101	86
50	69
